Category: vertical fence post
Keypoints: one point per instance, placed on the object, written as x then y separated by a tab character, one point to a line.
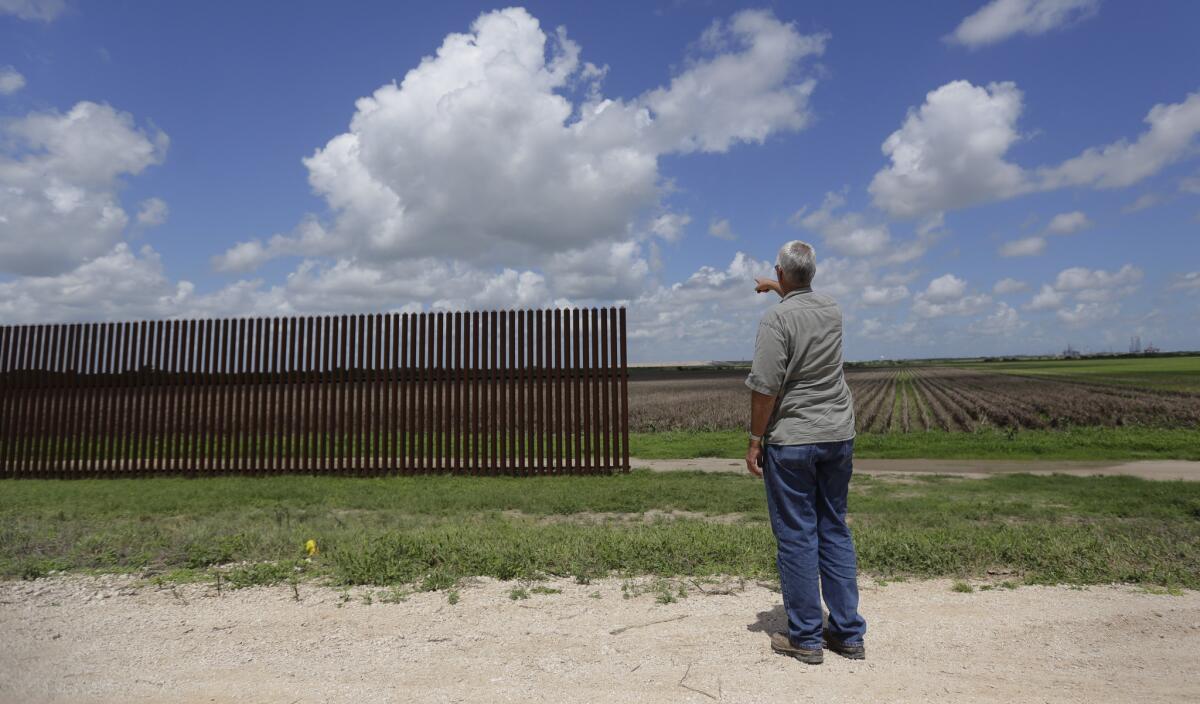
324	397
7	398
494	422
375	408
561	419
455	388
442	399
510	392
425	411
527	398
287	392
239	415
225	430
45	377
171	387
14	397
159	411
402	384
54	401
614	394
25	427
141	394
479	393
36	381
383	417
139	398
605	408
308	369
24	386
79	397
358	366
408	390
624	394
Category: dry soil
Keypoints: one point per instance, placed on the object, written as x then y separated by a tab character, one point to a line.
87	639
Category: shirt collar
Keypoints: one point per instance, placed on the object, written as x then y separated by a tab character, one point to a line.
797	292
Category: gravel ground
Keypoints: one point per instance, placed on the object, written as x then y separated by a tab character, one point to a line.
106	639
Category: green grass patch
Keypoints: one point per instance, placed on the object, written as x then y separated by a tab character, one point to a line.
1081	443
428	533
1159	373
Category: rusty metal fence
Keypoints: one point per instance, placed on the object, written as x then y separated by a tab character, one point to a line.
496	392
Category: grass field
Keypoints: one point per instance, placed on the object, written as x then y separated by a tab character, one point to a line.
1159	373
430	532
1080	443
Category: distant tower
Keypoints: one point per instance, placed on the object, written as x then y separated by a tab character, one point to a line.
1135	344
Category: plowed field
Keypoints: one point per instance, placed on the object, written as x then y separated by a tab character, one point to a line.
909	399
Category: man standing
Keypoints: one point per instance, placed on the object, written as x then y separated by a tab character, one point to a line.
802	444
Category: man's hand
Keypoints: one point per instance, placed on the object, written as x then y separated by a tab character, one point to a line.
762	285
754	458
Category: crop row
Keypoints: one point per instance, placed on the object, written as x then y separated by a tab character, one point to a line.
920	398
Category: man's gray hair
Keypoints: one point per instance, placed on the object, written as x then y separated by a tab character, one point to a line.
798	261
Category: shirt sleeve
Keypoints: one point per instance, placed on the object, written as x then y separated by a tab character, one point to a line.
770	359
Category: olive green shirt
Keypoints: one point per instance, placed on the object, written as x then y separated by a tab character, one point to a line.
798	359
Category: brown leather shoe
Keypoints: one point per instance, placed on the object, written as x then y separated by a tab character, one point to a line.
782	644
853	652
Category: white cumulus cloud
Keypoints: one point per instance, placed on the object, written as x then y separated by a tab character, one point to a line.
947	295
1187	282
120	284
60	174
1170	137
1000	19
480	155
1009	285
721	229
1048	298
11	80
883	295
854	235
42	10
670	226
152	212
945	288
1078	278
1088	288
949	153
1082	314
1004	320
1067	223
1024	247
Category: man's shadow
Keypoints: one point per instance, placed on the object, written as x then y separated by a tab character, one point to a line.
775	621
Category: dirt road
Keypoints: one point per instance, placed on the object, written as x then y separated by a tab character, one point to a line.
1146	469
100	640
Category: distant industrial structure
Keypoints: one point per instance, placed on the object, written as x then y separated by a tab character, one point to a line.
1135	347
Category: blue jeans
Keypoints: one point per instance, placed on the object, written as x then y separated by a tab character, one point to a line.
806	497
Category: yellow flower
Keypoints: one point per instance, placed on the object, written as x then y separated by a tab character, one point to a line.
311	547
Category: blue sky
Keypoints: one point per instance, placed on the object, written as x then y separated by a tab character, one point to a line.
977	178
